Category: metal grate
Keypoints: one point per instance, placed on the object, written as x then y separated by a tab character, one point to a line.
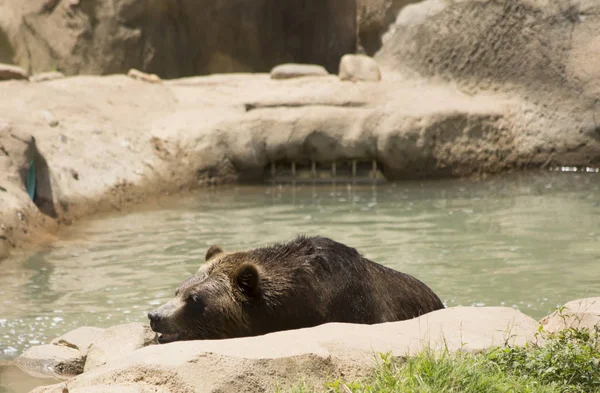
352	171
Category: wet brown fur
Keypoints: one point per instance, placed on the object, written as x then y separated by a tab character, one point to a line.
305	282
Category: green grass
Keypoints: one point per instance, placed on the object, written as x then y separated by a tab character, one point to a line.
566	362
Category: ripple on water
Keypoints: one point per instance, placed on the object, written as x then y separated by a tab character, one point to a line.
509	241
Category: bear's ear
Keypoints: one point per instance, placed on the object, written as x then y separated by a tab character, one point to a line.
246	278
212	252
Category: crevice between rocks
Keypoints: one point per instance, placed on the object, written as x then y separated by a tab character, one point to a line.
264	105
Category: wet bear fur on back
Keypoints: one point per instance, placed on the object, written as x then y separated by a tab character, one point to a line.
301	283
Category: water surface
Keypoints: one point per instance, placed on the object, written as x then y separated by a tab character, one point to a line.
530	241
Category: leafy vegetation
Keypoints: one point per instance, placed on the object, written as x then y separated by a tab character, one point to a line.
564	362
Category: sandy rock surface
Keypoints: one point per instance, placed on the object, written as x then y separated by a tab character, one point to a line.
258	364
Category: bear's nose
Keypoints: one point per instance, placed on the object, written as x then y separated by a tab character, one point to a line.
153	316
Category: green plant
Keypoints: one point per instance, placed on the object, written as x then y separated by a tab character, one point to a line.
563	362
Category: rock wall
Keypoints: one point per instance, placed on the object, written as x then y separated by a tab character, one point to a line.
544	51
176	38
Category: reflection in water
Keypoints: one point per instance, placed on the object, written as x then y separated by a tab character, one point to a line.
530	241
13	380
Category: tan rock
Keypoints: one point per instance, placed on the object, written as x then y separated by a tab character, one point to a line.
8	72
52	360
118	341
286	71
46	76
357	68
259	364
80	338
142	76
581	313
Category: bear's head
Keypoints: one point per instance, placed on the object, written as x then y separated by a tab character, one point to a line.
213	303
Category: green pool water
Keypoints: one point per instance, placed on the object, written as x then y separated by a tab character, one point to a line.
529	241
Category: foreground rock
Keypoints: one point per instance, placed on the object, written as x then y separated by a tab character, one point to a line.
79	339
259	364
117	342
84	349
52	360
581	313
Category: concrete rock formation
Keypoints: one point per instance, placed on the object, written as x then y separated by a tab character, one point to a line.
102	143
544	52
162	37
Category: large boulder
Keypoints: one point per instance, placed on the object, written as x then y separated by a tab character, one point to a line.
165	38
581	313
260	364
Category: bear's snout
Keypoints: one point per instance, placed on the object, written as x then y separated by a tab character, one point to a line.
154	318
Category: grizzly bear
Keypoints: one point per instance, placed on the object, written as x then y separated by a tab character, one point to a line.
305	282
